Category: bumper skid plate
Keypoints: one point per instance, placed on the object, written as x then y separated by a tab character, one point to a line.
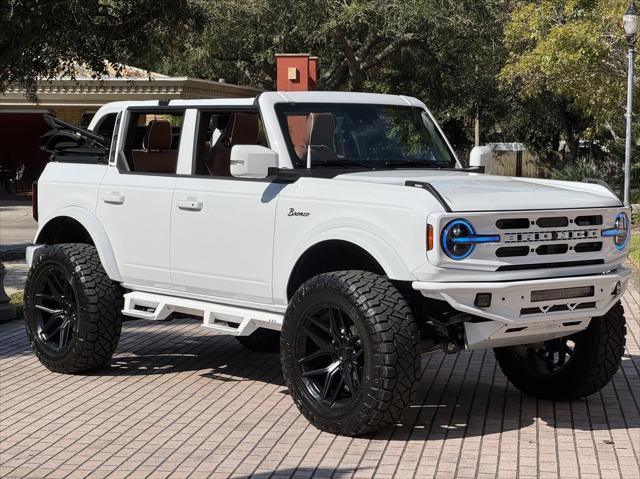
533	310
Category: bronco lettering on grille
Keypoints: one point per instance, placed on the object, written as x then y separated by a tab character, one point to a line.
537	236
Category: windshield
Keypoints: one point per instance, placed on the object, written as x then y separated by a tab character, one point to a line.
373	136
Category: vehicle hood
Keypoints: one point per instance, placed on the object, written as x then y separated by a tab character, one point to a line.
465	191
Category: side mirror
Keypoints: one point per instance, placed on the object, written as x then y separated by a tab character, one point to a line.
252	161
482	156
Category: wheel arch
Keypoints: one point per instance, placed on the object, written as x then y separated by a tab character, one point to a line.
331	255
77	225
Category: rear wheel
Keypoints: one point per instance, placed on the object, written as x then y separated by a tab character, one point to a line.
72	309
349	347
570	367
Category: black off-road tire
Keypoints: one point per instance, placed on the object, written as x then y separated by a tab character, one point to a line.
96	326
596	357
261	341
391	350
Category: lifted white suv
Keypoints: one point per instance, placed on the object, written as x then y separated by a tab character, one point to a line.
337	228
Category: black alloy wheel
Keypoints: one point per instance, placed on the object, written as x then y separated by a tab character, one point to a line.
330	356
549	357
55	308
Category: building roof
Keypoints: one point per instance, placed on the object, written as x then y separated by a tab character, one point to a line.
83	89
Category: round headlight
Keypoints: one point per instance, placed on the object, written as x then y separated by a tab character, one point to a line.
622	226
456	230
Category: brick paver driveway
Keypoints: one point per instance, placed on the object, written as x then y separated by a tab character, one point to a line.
182	401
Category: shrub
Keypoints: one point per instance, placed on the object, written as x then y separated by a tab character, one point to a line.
17	299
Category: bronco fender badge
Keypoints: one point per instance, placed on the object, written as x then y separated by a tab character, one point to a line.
293	212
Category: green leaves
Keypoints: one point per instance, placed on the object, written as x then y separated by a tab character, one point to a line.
45	39
574	49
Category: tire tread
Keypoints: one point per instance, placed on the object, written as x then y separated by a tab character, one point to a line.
100	301
603	344
396	340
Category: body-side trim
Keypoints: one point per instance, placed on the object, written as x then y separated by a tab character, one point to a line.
231	320
202	297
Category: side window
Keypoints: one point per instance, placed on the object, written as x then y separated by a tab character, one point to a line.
106	125
218	132
152	141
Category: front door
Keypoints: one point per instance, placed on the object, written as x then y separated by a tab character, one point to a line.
222	227
222	237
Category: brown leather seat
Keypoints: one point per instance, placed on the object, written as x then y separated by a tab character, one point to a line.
319	133
241	129
156	155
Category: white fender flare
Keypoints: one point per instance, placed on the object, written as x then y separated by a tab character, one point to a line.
97	233
386	256
384	253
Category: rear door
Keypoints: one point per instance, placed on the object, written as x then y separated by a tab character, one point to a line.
222	227
134	203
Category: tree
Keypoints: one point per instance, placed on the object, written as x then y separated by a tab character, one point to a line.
573	51
443	51
44	39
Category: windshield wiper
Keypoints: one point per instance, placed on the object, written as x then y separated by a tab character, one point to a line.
345	163
420	163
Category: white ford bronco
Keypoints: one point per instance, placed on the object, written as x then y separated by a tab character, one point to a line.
337	228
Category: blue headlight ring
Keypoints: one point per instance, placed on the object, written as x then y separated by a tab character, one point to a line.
445	233
613	232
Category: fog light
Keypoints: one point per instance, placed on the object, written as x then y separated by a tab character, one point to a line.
483	300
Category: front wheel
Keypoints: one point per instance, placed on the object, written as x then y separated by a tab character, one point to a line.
570	367
349	350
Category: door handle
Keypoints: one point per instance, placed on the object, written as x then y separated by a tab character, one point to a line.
190	204
113	198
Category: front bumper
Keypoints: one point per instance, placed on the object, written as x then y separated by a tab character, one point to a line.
512	303
516	316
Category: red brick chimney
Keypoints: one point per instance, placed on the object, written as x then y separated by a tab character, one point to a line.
296	72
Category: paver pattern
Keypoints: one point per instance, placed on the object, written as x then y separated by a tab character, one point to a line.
182	401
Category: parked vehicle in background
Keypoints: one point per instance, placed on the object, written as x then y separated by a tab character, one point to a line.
337	228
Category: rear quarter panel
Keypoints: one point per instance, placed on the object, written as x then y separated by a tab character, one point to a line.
62	185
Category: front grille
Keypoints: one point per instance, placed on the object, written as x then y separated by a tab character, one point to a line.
553	222
588	247
517	241
511	251
595	220
513	223
561	237
546	249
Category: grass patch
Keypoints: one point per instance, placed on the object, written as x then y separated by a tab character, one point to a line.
17	299
634	250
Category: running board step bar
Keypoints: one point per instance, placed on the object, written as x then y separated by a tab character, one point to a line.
228	319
